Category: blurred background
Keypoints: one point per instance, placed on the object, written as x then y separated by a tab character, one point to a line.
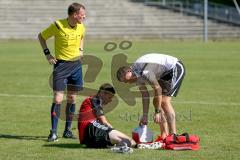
161	19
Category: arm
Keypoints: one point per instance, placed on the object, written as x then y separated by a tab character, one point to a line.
103	119
98	111
81	48
42	41
43	44
81	43
157	100
145	103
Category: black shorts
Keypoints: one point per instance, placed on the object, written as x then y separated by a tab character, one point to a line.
96	135
67	73
172	80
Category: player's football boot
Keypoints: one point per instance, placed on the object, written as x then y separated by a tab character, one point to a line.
52	136
68	134
159	139
154	145
122	149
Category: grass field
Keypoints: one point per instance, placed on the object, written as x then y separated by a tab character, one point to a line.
208	103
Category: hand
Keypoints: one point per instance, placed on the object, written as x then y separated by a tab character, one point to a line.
144	120
51	59
81	56
157	118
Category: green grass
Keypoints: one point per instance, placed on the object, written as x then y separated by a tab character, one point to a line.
208	103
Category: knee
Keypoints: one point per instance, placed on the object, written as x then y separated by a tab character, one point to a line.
71	98
58	100
166	103
58	97
168	109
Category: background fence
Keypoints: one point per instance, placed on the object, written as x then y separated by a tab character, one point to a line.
216	11
24	19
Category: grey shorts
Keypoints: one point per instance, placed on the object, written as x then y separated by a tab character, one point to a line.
172	80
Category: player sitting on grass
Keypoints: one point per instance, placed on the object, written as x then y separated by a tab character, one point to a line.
94	129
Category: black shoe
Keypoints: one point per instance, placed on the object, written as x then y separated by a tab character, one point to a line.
68	134
52	136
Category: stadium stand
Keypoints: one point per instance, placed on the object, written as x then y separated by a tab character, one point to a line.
23	19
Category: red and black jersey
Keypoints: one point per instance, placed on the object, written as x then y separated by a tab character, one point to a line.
90	109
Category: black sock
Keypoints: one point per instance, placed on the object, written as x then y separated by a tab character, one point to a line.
70	109
55	114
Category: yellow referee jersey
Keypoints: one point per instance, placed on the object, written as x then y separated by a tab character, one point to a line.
67	39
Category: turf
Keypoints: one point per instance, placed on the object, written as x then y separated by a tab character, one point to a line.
207	105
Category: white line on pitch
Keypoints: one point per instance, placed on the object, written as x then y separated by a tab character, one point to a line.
208	103
23	95
181	102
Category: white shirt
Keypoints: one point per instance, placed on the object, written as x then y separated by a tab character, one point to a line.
152	67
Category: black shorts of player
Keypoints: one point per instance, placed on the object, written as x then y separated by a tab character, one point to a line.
172	80
96	135
67	74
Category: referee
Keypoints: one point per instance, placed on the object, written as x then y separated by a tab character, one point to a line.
67	72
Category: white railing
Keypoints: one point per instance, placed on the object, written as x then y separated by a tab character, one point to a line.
215	11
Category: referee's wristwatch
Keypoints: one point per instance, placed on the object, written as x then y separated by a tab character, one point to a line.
157	110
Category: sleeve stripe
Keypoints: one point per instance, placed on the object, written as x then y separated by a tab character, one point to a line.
56	25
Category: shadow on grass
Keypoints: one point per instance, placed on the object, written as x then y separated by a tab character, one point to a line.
65	145
23	137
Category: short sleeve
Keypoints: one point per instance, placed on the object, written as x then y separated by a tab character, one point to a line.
49	32
83	32
149	77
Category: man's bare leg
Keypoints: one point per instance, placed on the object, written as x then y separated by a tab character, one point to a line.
117	137
170	114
